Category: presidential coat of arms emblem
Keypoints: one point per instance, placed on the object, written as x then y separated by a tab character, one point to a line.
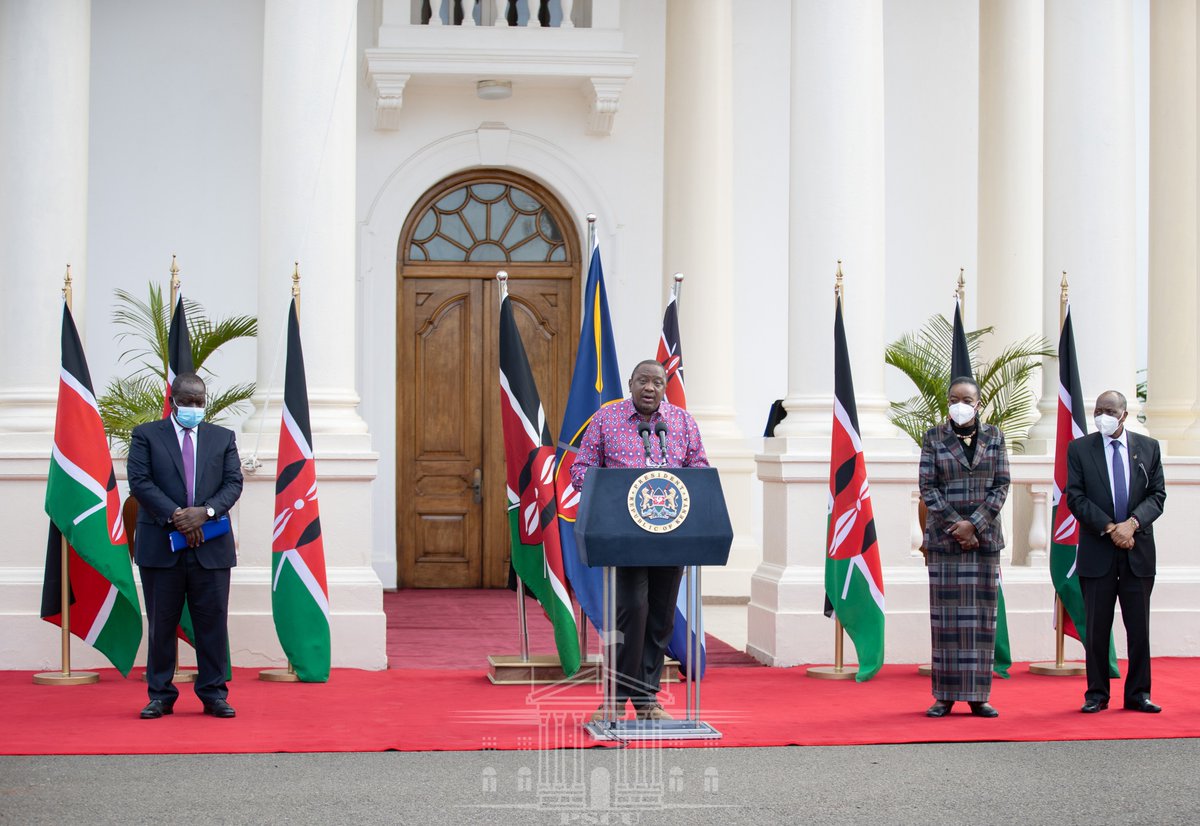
658	501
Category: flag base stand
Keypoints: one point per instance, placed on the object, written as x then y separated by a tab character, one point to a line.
545	669
1057	669
69	678
278	675
832	672
925	670
839	670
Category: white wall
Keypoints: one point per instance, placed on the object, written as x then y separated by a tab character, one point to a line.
174	163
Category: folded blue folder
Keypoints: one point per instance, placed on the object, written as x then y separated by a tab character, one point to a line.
212	528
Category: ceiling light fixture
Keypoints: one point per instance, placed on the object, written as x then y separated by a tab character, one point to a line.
493	89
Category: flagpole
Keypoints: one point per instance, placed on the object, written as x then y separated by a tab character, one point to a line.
1059	667
64	676
960	296
587	260
286	675
838	671
180	675
522	619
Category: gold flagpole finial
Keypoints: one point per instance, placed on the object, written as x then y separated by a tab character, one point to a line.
839	287
175	282
1063	300
296	285
68	287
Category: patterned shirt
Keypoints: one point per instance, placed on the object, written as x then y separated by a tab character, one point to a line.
612	440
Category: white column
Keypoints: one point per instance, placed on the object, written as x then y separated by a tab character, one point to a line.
1171	374
308	208
1089	188
1010	293
308	215
836	212
45	50
698	242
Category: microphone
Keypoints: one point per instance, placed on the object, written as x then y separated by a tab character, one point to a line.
661	429
644	432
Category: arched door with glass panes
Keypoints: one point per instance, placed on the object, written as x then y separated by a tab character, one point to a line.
451	525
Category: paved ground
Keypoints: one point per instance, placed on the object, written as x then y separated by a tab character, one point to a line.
1116	782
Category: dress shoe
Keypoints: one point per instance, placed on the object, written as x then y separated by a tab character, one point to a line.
1093	706
157	708
983	709
940	708
653	712
219	708
1145	705
604	713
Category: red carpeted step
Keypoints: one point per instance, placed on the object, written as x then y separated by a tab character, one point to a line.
459	628
431	710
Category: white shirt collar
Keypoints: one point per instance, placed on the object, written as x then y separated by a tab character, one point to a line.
180	428
1123	439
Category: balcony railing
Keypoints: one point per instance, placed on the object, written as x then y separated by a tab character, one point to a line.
532	43
549	14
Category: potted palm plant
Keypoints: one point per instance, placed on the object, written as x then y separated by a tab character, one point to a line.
1006	396
138	397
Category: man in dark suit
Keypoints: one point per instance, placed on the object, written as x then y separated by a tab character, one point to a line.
1115	489
184	472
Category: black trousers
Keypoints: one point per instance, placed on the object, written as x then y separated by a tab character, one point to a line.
645	618
1100	595
207	594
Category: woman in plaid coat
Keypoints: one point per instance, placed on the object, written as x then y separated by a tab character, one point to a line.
964	481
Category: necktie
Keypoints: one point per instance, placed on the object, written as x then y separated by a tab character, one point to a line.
1120	488
189	466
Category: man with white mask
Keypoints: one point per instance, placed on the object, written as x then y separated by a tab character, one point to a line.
1115	489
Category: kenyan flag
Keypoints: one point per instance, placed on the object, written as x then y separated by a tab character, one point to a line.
299	590
532	497
1064	539
85	511
853	575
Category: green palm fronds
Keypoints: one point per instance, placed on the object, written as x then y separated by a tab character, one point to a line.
138	398
1004	382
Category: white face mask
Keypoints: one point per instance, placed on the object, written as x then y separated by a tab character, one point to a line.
1107	424
962	413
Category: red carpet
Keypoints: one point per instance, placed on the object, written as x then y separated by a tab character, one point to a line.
435	697
459	628
431	709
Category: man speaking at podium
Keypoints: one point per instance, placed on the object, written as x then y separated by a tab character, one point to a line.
641	431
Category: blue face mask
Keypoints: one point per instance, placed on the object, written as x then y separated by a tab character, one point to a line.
189	417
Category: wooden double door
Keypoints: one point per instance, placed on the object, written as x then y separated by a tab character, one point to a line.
451	504
451	522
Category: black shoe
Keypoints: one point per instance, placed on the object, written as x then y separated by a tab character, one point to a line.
1143	704
1093	706
983	709
219	708
940	708
157	708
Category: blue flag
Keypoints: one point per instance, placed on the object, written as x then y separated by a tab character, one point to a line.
595	382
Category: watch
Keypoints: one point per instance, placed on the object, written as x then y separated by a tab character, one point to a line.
209	510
